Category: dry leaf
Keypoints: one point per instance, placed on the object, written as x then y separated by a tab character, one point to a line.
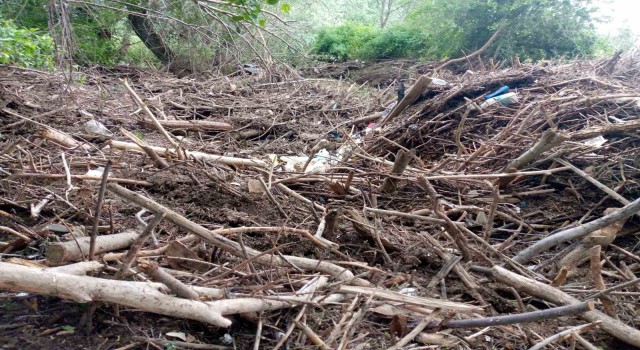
398	326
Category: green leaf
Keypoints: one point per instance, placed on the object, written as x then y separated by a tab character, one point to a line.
285	8
262	22
68	328
272	2
237	18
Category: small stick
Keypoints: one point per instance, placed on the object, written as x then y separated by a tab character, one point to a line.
419	328
475	53
410	216
161	163
347	183
492	212
598	184
256	343
585	343
551	138
67	172
561	277
526	317
470	107
611	289
96	216
444	271
596	275
412	95
273	199
496	176
287	334
453	230
399	165
15	233
36	209
160	275
537	289
558	336
312	335
576	232
331	223
625	252
149	114
84	177
137	245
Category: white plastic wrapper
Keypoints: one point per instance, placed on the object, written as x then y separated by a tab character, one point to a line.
595	142
96	128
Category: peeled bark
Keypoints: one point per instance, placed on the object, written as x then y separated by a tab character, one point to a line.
76	250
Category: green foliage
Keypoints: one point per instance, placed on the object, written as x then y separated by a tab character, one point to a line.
533	29
25	47
343	42
352	40
395	42
97	32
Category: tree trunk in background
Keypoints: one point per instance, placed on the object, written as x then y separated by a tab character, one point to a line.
144	29
385	11
61	32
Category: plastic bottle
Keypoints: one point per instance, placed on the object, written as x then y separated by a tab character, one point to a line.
504	100
95	127
500	91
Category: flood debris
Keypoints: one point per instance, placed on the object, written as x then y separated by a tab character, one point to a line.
312	212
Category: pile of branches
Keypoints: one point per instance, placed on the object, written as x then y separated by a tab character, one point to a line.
443	223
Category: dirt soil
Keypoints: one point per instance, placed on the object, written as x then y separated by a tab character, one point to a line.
391	239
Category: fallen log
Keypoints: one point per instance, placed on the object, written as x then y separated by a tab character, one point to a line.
610	325
76	250
149	297
576	232
128	146
193	125
83	289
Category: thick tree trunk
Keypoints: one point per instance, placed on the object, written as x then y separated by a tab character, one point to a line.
152	40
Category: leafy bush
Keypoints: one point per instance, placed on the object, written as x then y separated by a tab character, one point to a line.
25	47
533	29
343	42
352	40
395	42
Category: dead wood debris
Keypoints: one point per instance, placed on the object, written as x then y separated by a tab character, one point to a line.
364	249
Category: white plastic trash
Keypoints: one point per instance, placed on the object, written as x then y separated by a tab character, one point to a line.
437	81
95	127
505	99
596	142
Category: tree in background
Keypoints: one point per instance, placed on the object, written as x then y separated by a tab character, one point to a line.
178	33
534	29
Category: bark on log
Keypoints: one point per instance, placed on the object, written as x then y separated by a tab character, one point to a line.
197	155
412	95
82	289
551	138
150	297
76	250
576	232
194	125
399	165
